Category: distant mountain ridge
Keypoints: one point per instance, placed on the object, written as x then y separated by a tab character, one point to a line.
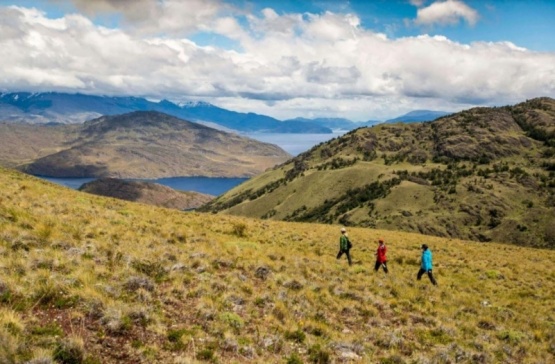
141	144
484	174
336	123
54	107
77	108
418	116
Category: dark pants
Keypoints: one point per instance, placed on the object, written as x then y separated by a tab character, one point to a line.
347	253
379	264
430	275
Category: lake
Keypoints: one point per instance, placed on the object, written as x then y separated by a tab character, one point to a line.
208	185
293	144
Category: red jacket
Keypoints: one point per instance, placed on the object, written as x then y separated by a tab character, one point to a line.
380	254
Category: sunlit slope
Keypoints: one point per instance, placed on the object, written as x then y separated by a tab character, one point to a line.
485	174
99	280
142	144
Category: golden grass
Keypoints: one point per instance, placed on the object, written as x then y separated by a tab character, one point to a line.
105	281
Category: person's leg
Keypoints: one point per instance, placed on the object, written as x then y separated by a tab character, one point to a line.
384	265
377	266
339	254
420	272
349	257
432	279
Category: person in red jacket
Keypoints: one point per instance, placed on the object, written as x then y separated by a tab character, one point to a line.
381	260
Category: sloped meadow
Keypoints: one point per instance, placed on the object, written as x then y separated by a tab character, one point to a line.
86	279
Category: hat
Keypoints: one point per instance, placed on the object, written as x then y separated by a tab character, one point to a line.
343	230
424	246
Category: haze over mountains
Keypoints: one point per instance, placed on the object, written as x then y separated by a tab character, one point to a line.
346	124
141	144
53	107
482	174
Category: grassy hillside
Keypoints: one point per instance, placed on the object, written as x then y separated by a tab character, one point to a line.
134	145
485	174
88	279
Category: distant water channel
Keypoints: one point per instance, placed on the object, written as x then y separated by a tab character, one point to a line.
293	144
208	185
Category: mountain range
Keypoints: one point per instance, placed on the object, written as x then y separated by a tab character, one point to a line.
346	124
141	144
53	107
481	174
418	116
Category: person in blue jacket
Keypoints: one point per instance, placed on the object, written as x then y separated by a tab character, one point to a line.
426	265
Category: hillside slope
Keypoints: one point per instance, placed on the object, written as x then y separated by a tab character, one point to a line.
141	144
24	143
483	174
146	192
97	280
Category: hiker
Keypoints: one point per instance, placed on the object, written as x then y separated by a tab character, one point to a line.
344	245
426	265
381	260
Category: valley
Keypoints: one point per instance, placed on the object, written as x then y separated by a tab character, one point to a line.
484	174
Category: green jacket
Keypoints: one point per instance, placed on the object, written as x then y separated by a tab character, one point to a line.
344	243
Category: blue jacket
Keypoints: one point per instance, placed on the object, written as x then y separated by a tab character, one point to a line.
426	263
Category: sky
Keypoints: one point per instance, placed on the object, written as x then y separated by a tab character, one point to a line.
359	59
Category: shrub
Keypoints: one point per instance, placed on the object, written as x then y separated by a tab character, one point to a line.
297	336
70	351
47	330
511	336
318	355
294	359
233	320
240	230
115	322
175	338
394	359
206	354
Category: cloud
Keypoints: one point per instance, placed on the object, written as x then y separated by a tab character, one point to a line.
156	16
447	12
328	66
417	3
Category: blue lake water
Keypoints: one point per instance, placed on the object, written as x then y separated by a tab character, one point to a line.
208	185
293	144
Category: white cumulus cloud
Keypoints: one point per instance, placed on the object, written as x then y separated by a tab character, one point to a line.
446	13
285	65
155	16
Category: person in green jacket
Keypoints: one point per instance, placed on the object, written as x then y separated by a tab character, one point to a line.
344	246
